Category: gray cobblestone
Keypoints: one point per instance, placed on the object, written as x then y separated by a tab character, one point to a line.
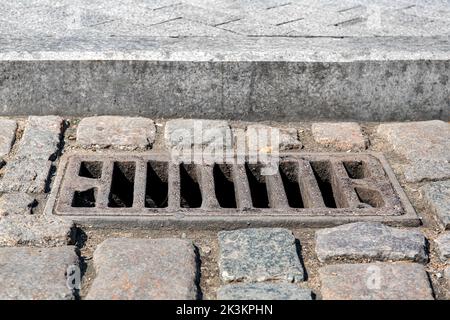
342	136
33	230
375	281
443	246
29	170
144	269
258	255
7	135
36	273
437	196
259	138
362	240
116	131
188	133
263	291
16	203
426	145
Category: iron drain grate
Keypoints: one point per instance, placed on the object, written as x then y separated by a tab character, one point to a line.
307	190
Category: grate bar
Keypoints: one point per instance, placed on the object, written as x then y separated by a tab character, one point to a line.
276	192
104	187
207	187
140	180
309	188
344	190
243	198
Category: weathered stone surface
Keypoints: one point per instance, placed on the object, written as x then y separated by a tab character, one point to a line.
367	240
116	131
16	203
375	281
437	197
260	138
144	269
426	145
342	136
447	276
39	231
188	133
36	273
7	135
29	170
443	246
259	255
263	291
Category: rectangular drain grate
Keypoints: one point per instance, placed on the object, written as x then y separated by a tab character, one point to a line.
308	189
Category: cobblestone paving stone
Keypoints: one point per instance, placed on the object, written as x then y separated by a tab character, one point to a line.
443	246
376	241
263	291
36	273
259	138
40	231
426	145
342	136
375	281
144	269
116	131
188	133
16	203
8	129
29	170
437	197
255	255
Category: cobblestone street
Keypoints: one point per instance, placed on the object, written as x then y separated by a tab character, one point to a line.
327	260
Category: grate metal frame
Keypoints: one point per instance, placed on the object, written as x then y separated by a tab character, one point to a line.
396	209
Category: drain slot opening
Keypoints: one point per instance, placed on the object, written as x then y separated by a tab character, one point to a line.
322	174
289	176
122	185
156	189
257	184
190	194
355	169
224	185
90	169
370	197
84	199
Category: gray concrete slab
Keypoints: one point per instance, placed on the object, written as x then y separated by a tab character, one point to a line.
297	60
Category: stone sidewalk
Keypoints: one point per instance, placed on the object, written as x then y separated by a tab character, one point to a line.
239	59
383	262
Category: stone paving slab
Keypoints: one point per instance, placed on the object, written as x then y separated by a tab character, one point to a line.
29	169
342	136
193	133
375	281
261	137
8	129
263	291
16	203
374	241
36	273
426	145
144	269
255	255
116	131
443	246
38	231
437	196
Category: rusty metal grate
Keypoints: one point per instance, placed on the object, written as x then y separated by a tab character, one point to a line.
307	190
